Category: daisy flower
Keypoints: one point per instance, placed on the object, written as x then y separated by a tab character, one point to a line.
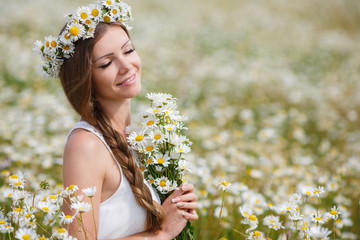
69	191
149	146
6	229
76	31
272	222
223	212
83	14
61	233
334	212
49	220
95	11
26	233
50	45
150	121
39	47
256	235
66	219
90	191
47	207
81	206
162	159
137	138
317	217
319	232
133	128
107	17
224	185
65	37
157	136
319	191
295	198
183	166
163	184
182	148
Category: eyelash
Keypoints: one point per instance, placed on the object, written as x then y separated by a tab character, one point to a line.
108	64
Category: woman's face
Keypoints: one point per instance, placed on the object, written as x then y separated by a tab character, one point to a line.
116	67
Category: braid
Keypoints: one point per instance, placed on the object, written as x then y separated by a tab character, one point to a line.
118	145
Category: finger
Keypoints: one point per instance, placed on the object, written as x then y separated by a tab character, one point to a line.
187	205
190	216
187	187
188	197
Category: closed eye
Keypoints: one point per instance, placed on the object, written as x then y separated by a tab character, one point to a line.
105	65
130	51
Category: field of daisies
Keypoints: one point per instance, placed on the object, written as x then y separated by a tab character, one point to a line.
272	93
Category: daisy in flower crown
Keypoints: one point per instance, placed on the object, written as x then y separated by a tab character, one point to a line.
100	72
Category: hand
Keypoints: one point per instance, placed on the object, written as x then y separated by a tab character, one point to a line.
179	207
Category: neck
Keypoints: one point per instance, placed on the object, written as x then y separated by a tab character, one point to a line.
119	113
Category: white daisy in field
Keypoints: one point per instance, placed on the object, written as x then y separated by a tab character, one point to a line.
224	185
317	217
76	31
26	233
49	220
256	235
69	190
153	111
19	195
81	206
61	233
319	232
272	222
334	212
218	211
7	193
48	207
319	191
6	229
296	216
332	186
295	198
133	127
90	191
66	219
162	159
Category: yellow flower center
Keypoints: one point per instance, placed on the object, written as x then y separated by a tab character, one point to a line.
149	148
62	230
14	176
88	22
53	44
53	197
42	238
26	236
181	150
225	183
28	215
270	204
149	123
18	210
95	12
316	191
318	218
308	193
67	36
66	48
2	222
84	15
108	2
67	216
304	228
152	181
46	209
107	19
333	212
156	111
161	161
157	136
339	220
139	138
163	183
252	217
74	31
257	234
47	44
19	183
114	11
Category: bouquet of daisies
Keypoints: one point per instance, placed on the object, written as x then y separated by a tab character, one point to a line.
161	147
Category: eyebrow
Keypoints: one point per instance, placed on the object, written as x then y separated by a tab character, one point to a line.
112	53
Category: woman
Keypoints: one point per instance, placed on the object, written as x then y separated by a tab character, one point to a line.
99	78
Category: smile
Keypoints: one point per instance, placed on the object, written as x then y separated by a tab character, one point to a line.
128	81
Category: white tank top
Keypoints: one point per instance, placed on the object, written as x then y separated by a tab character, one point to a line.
120	214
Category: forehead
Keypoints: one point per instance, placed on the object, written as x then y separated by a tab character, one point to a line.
113	39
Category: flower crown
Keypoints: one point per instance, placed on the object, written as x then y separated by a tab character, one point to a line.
81	25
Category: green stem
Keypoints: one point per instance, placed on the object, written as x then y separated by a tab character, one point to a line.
92	205
239	232
83	226
222	205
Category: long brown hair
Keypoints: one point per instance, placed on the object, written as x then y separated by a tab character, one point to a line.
76	79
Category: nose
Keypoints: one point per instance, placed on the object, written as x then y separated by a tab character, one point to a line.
124	65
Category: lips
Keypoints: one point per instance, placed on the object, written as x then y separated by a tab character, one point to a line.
128	81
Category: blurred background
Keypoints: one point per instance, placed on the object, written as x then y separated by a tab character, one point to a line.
271	88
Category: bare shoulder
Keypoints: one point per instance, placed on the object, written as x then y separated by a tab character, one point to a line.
84	156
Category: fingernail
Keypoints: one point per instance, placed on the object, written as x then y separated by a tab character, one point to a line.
183	188
175	200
